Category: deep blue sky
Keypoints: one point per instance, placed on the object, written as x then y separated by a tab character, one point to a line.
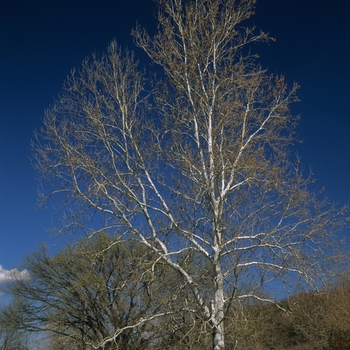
41	41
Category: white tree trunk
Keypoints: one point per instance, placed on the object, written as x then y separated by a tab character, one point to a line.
219	342
218	328
217	310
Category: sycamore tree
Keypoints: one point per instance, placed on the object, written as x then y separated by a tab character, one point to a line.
199	165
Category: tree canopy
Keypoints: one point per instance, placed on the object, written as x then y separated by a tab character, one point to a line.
199	165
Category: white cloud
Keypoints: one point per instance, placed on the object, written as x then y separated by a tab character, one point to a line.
8	275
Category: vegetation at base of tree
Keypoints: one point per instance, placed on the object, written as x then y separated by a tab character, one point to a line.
338	340
83	295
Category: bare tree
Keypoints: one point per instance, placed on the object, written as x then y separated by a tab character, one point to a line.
90	291
200	166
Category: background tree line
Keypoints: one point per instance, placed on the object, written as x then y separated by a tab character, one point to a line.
102	290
